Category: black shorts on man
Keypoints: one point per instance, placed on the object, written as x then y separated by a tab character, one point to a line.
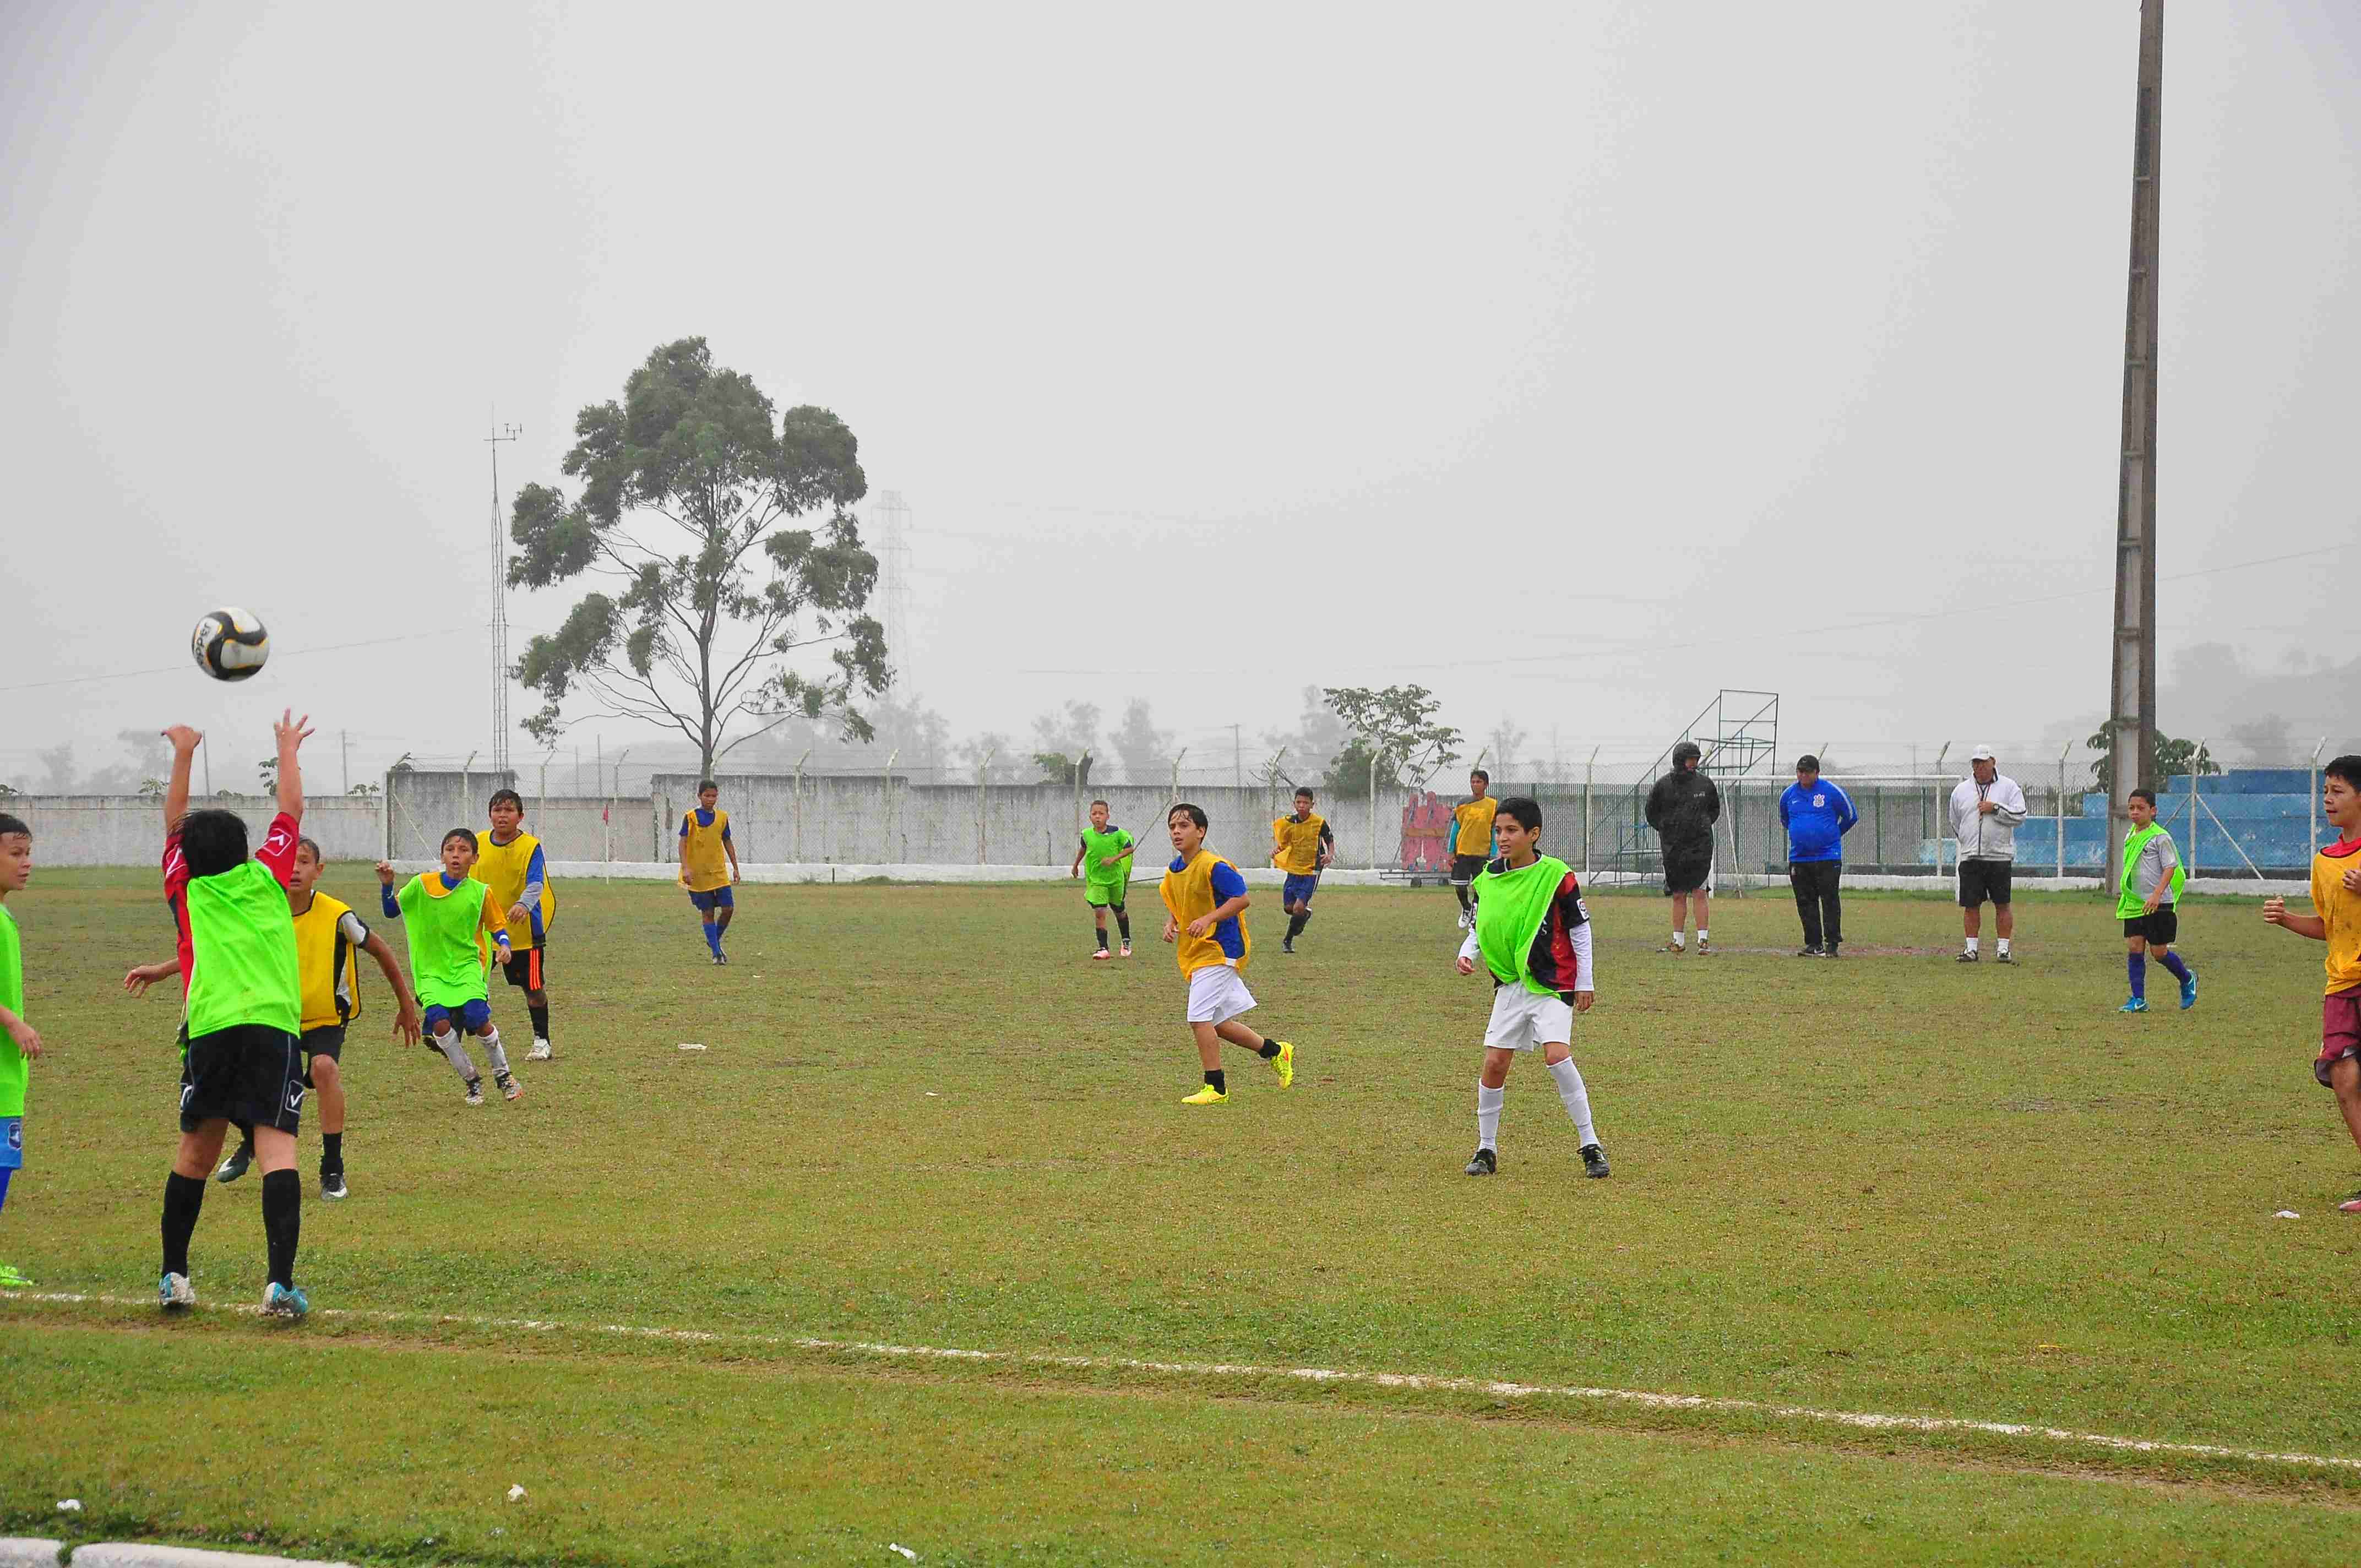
1982	881
248	1073
1687	868
2160	929
327	1040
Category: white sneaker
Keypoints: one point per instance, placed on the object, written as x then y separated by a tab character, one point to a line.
1463	920
174	1293
1127	949
540	1051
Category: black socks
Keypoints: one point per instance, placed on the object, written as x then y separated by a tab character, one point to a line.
1269	1049
1213	1080
1296	923
332	1152
184	1196
539	1020
1098	935
1123	923
282	1221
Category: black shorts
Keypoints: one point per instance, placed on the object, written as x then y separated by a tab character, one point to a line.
1465	867
248	1074
1687	869
327	1040
1982	880
2160	929
524	970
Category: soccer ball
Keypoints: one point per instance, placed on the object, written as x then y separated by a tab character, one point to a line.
230	644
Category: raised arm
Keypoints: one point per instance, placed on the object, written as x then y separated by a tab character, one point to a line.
185	742
385	898
291	733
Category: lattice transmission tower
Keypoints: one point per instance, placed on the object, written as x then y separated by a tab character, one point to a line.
894	579
499	604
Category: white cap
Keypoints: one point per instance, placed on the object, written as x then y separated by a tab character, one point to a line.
1981	754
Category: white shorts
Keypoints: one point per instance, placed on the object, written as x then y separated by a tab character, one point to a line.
1520	1021
1217	994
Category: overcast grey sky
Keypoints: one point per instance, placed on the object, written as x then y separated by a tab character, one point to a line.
1571	359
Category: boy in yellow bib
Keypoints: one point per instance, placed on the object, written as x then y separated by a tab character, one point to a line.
1204	896
705	843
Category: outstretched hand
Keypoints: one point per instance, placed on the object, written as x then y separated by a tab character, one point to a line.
291	731
183	738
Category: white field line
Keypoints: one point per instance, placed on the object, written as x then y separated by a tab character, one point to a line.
1416	1382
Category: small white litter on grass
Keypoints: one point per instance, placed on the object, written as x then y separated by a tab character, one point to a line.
690	1045
516	1493
897	1546
2287	1214
68	1505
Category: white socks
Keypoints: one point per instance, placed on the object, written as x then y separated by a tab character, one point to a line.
2003	943
492	1048
1701	934
1679	943
454	1046
1971	943
1488	1116
1575	1097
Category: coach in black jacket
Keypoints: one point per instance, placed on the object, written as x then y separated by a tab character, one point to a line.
1683	807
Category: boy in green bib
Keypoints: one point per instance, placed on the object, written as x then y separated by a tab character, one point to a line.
1531	930
243	1012
1106	851
2148	904
20	1041
449	915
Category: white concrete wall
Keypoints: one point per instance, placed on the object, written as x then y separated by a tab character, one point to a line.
129	829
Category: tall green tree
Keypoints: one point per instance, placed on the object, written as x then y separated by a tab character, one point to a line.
2170	760
692	488
1395	723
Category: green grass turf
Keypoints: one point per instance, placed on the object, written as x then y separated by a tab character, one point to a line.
1891	1184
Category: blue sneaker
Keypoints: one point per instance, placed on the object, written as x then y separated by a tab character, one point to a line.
174	1293
2188	991
285	1301
2136	1004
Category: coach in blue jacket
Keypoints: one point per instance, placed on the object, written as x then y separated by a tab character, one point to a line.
1817	814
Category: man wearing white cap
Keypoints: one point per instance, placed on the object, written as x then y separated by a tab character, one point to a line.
1985	810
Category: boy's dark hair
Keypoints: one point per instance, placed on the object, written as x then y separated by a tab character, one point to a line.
313	844
2347	767
1102	803
1196	813
1304	792
13	825
213	841
1479	773
466	833
509	797
1524	810
2145	794
709	784
1808	764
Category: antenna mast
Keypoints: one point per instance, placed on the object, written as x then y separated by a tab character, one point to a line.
499	604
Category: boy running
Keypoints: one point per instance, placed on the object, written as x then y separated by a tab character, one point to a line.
1107	851
1205	896
1471	843
1303	847
242	1015
20	1041
1533	932
518	873
449	913
327	935
2336	900
2149	904
704	842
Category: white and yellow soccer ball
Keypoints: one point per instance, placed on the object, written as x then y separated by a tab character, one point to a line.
230	644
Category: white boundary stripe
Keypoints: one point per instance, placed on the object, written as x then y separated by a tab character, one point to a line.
1416	1382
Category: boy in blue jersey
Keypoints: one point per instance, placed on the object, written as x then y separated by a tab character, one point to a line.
1205	895
1816	815
20	1041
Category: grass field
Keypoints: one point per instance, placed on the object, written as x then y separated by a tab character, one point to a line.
1891	1185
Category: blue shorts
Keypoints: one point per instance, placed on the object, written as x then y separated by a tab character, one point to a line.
472	1015
1299	889
12	1143
719	898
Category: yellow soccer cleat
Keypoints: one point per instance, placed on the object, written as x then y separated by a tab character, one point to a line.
1209	1095
1283	1064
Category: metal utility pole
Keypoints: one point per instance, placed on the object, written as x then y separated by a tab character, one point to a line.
500	605
894	579
1237	760
345	746
2131	697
